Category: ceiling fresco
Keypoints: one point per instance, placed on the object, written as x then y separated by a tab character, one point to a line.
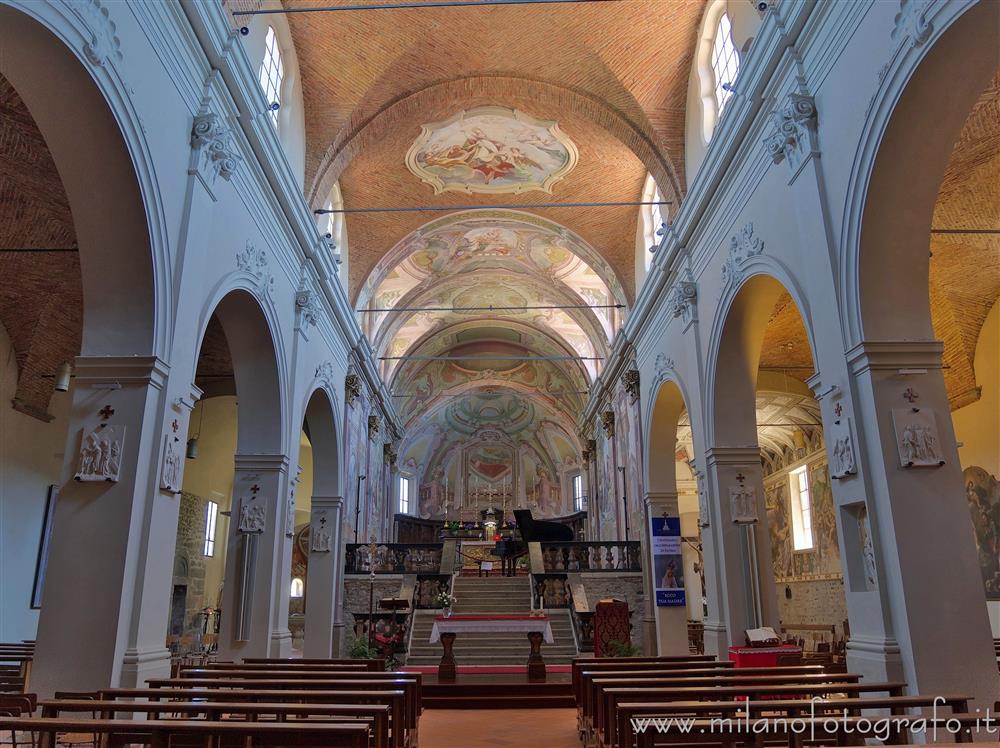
491	150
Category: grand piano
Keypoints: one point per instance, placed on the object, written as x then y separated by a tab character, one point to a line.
532	531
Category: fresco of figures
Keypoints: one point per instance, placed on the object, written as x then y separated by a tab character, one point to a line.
491	445
983	492
823	560
491	149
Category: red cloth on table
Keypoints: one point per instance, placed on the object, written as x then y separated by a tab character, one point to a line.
611	623
761	656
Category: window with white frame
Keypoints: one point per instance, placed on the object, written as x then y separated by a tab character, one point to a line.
653	217
211	521
725	62
802	530
404	495
272	72
298	588
579	500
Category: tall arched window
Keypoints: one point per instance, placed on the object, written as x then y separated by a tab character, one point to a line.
653	218
271	74
725	62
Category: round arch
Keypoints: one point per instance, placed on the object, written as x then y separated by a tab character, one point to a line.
667	404
321	425
255	356
123	278
928	90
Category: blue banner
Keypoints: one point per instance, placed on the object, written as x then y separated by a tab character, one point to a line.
668	563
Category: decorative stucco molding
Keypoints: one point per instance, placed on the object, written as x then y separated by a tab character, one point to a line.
682	301
352	388
104	45
793	132
212	141
742	247
307	306
630	380
911	23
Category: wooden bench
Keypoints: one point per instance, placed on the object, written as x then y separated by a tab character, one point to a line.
158	733
596	698
626	712
375	665
214	711
607	692
603	665
399	727
891	730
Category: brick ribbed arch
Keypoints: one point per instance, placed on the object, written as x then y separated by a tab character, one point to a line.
406	111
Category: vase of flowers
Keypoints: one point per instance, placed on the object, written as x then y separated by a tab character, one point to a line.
446	601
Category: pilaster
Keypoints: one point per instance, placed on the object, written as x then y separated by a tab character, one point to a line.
326	587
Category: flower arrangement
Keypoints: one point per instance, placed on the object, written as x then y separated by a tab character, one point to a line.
445	599
453	525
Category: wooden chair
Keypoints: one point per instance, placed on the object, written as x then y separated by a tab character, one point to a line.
18	705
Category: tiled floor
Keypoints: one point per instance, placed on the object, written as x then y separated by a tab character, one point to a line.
498	728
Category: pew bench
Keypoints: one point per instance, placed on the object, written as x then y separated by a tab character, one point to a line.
626	712
216	711
159	733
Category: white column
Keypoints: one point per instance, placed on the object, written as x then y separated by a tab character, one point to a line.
256	590
738	565
925	609
324	593
107	587
664	629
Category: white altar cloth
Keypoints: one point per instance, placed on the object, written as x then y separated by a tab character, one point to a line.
459	624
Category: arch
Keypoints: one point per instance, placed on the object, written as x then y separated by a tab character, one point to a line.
55	68
663	417
639	137
940	68
255	355
320	420
735	347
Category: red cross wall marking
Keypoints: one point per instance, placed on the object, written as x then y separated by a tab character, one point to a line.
910	395
106	412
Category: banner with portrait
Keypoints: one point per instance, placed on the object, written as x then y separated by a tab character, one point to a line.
668	563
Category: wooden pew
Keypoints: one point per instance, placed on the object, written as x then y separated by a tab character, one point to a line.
158	733
618	664
169	697
604	693
214	711
595	684
622	663
653	670
374	665
17	674
363	681
625	737
893	730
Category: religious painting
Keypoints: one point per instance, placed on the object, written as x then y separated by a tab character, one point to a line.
822	561
983	492
491	150
101	453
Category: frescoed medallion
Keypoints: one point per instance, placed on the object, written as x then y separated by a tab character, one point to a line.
490	150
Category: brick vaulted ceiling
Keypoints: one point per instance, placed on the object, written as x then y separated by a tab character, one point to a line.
613	75
42	310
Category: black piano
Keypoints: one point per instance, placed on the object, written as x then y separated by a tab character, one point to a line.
532	531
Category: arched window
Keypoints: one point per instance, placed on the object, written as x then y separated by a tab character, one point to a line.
653	217
298	587
271	74
725	62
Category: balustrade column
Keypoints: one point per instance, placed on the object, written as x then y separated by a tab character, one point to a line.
664	629
255	595
739	574
324	597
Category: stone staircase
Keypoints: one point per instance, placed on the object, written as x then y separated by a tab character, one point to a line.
486	595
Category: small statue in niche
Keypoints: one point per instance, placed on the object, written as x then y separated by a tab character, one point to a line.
321	538
251	516
170	473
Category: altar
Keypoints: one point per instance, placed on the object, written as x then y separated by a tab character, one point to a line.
537	628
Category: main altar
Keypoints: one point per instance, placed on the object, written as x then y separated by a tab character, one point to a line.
536	626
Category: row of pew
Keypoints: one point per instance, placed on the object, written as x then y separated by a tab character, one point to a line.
258	702
15	665
641	702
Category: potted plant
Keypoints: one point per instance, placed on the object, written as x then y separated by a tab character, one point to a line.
623	649
445	600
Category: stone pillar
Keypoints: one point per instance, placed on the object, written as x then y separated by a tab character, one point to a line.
255	593
324	595
915	590
737	555
107	586
665	629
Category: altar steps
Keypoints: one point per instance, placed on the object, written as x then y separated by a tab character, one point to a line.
485	596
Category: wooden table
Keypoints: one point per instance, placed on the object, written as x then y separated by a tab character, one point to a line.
446	628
